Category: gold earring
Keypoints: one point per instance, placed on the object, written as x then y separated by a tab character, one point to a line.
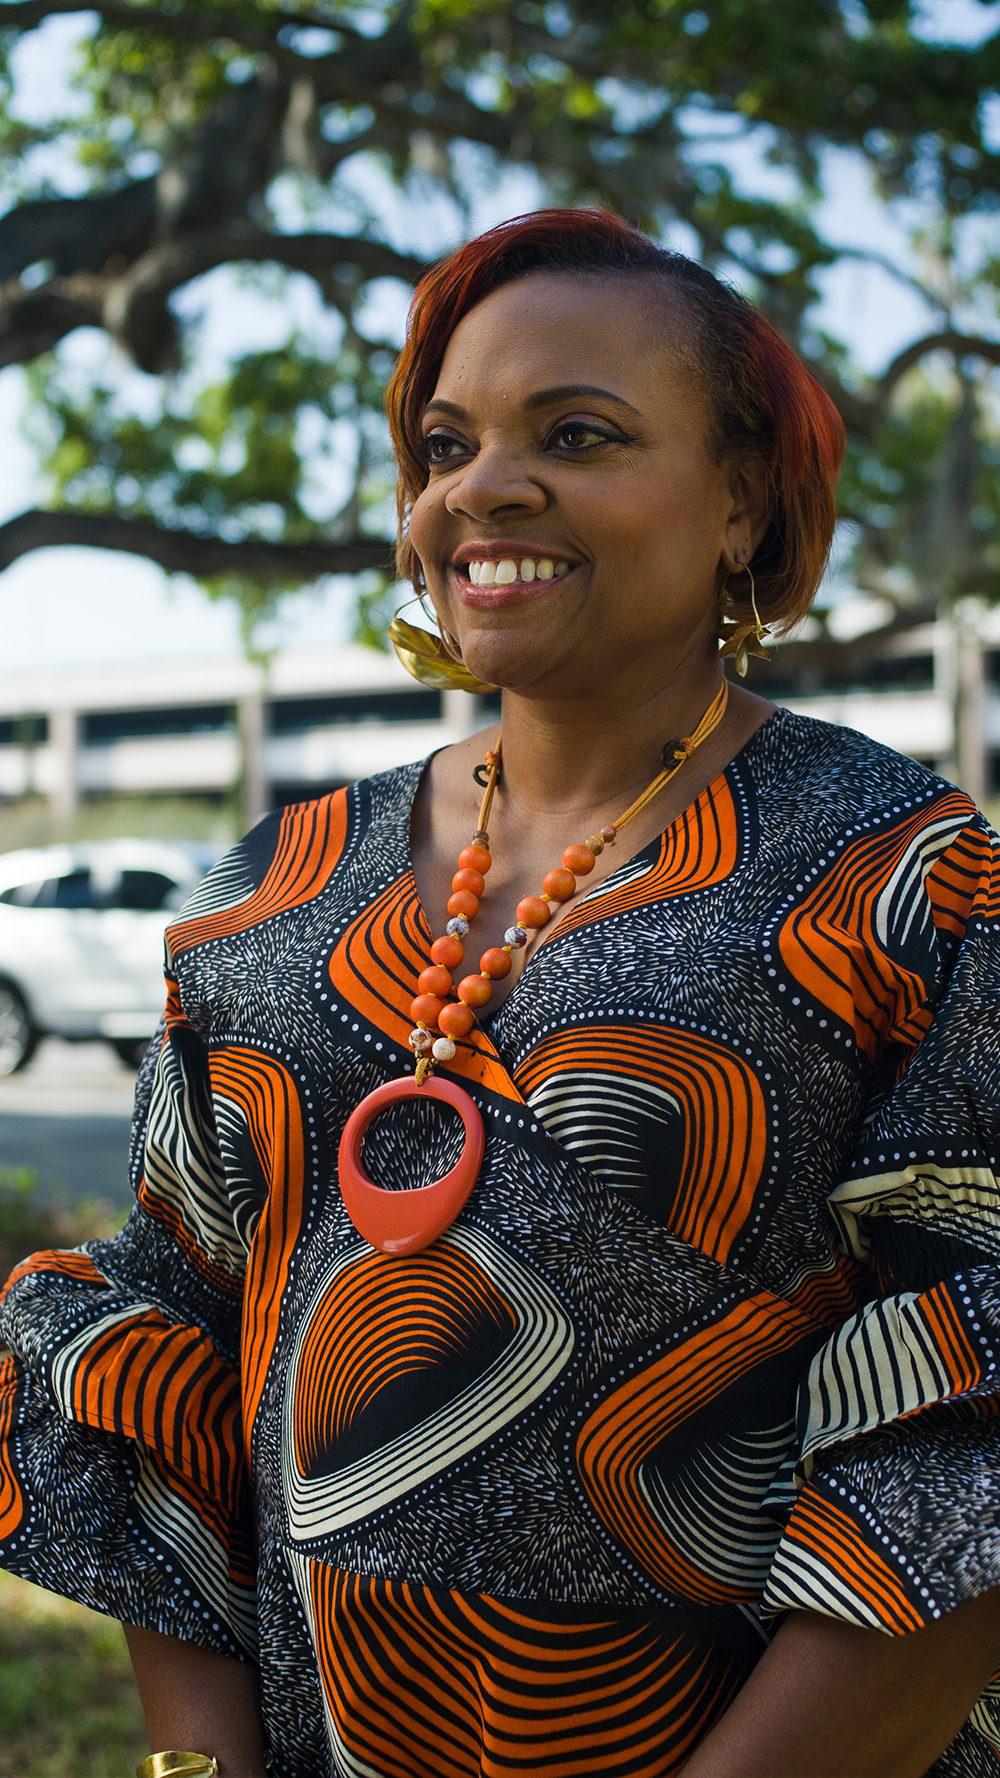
426	657
743	639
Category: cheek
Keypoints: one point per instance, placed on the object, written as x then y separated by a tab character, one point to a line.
419	522
426	519
677	520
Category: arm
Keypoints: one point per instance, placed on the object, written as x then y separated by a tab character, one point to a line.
198	1702
830	1700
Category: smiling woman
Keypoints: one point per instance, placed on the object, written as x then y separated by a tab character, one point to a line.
586	1363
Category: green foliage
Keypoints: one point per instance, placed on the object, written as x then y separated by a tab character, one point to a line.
68	1703
923	498
144	93
29	1224
229	450
244	456
639	103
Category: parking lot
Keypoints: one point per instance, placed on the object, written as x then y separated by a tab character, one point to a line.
66	1116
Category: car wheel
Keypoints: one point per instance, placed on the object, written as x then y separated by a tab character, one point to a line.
18	1035
131	1049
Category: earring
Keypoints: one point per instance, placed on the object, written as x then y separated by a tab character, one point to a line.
426	657
743	639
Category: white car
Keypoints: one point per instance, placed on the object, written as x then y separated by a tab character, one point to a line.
81	941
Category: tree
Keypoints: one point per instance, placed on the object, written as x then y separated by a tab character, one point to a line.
248	133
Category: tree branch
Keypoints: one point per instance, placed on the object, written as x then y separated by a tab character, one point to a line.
33	321
184	552
963	345
135	310
360	83
132	307
27	15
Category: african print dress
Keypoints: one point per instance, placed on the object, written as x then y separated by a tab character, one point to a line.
716	1334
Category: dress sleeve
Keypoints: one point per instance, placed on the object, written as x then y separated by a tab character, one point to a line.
896	1514
122	1476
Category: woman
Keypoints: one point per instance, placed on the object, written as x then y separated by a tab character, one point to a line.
707	1357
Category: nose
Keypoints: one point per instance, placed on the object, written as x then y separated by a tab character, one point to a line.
496	481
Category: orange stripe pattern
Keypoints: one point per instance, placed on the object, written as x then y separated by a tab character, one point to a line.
515	1504
166	1387
266	1094
820	1528
832	944
310	840
620	1435
722	1108
381	1323
425	1684
11	1496
697	851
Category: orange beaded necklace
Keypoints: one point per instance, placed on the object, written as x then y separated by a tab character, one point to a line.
403	1222
431	1011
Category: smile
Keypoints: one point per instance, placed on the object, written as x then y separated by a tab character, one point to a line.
509	572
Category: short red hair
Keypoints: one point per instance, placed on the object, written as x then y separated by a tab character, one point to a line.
765	403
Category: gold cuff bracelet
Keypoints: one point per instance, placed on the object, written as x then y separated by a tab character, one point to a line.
162	1765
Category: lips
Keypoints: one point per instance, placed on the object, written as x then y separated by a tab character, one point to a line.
497	575
513	571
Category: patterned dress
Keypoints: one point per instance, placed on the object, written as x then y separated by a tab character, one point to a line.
716	1334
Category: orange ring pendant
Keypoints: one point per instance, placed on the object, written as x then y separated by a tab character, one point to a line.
402	1222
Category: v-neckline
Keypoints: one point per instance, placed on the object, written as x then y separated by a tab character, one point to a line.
598	889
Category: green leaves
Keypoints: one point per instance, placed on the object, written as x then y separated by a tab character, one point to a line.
244	457
243	113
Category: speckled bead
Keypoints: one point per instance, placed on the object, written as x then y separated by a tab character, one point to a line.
458	926
420	1041
515	936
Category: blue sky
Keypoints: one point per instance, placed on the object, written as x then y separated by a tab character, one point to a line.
61	608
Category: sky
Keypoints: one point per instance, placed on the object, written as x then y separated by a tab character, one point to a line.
67	607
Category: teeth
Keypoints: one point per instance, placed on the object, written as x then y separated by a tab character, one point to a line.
508	571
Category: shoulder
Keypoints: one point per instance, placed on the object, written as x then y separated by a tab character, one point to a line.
289	858
840	774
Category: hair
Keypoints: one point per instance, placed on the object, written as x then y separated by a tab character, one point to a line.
764	405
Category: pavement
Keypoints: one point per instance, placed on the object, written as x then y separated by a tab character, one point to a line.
67	1116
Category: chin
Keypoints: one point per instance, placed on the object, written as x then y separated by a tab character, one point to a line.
516	663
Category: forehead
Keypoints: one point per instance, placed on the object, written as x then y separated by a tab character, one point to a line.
554	328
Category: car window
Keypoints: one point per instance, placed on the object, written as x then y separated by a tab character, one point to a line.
22	895
71	891
146	890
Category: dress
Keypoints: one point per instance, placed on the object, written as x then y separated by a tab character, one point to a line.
715	1335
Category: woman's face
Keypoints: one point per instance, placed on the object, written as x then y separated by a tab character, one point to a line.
570	477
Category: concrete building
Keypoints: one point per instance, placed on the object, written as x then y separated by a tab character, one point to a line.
321	719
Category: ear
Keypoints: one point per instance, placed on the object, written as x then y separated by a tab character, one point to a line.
747	521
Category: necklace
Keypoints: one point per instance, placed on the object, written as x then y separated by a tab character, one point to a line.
404	1222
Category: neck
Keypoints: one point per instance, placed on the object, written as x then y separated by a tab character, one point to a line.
578	756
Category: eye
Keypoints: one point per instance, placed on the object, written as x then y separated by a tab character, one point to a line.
582	435
442	447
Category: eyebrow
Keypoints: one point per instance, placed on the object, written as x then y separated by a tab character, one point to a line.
569	391
542	398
